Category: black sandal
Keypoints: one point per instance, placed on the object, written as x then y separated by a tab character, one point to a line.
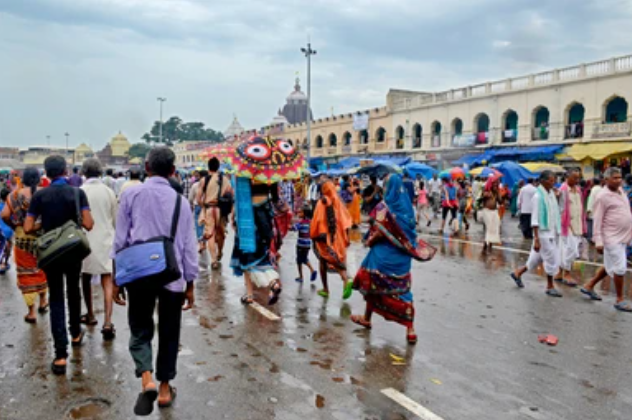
108	331
174	394
145	402
247	299
85	320
58	369
276	290
43	309
78	341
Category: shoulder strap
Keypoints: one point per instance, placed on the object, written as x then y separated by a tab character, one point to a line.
219	190
77	198
176	216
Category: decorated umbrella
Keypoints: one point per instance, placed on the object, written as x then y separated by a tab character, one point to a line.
457	173
266	160
445	174
485	172
221	151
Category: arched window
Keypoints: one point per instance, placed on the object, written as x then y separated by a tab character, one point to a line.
457	126
333	140
364	137
541	123
510	126
319	142
481	128
435	128
616	110
380	135
399	135
347	138
417	132
575	113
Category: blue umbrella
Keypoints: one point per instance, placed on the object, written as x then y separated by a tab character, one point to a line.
416	168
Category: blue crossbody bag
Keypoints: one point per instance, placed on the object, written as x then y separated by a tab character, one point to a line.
151	260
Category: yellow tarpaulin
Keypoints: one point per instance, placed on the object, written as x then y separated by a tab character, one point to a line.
538	167
597	151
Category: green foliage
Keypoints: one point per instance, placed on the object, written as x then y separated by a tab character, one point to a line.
175	130
139	150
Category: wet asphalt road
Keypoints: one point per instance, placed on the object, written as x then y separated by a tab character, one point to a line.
478	355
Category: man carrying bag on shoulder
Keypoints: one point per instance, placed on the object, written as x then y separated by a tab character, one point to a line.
156	260
56	206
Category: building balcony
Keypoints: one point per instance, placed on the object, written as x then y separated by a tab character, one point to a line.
611	130
510	136
435	141
317	152
540	134
347	149
574	131
381	146
332	151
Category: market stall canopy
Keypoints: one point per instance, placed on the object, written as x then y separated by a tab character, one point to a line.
521	154
513	173
416	168
539	167
484	172
597	151
379	169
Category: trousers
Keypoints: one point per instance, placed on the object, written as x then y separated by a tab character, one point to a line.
141	299
525	226
55	276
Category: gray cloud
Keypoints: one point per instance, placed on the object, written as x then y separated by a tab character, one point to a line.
95	67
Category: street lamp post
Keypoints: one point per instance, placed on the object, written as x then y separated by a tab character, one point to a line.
161	100
308	54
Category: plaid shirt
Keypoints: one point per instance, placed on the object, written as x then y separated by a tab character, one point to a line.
186	185
287	192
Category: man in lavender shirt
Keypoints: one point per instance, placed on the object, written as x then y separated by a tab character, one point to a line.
145	212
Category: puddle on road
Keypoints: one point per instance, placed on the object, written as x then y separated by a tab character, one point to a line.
89	409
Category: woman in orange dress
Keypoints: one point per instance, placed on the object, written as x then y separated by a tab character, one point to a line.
330	233
354	206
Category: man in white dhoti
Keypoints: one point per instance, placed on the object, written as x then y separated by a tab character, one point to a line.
546	223
573	226
99	263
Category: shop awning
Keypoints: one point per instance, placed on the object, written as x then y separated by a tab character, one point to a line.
597	151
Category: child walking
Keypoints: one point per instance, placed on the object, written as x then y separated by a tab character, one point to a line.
6	236
304	244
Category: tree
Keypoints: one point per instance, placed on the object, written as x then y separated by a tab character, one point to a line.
176	130
139	150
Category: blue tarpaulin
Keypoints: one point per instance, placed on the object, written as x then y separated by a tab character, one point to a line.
521	154
416	168
513	172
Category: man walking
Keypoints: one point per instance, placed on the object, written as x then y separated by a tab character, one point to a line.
573	226
546	224
147	212
525	198
75	179
598	185
109	180
612	234
435	186
57	205
134	179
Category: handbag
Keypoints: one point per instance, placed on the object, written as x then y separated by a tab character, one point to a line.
152	260
65	244
224	202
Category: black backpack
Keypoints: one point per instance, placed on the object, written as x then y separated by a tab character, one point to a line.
224	202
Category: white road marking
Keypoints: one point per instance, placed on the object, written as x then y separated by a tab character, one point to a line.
410	405
263	311
503	248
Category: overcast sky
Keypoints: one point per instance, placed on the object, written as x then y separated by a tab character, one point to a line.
94	67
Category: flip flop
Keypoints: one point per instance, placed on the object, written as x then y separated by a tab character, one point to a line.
358	319
30	320
517	280
411	338
58	369
590	293
43	309
247	299
174	394
348	290
298	280
623	306
276	291
323	293
145	402
85	320
314	276
108	332
569	283
78	341
553	293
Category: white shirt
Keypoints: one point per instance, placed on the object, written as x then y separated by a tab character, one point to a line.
554	214
591	199
476	188
313	194
434	186
525	199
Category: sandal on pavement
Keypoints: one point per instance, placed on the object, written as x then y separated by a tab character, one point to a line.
623	306
30	320
569	283
348	290
590	293
553	293
314	275
411	338
323	293
517	280
78	341
247	299
108	331
87	321
298	280
58	369
359	319
174	394
43	309
145	402
275	291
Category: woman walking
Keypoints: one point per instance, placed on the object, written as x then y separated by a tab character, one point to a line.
104	206
384	278
355	206
31	280
257	239
329	231
423	204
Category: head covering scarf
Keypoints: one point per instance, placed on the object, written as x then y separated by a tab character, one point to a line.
490	183
331	221
399	204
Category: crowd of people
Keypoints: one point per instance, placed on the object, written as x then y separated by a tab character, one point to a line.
190	215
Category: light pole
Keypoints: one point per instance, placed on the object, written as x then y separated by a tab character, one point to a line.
161	100
308	53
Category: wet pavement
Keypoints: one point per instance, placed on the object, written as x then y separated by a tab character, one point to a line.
478	355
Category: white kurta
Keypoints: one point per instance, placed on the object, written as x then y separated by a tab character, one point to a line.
103	207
